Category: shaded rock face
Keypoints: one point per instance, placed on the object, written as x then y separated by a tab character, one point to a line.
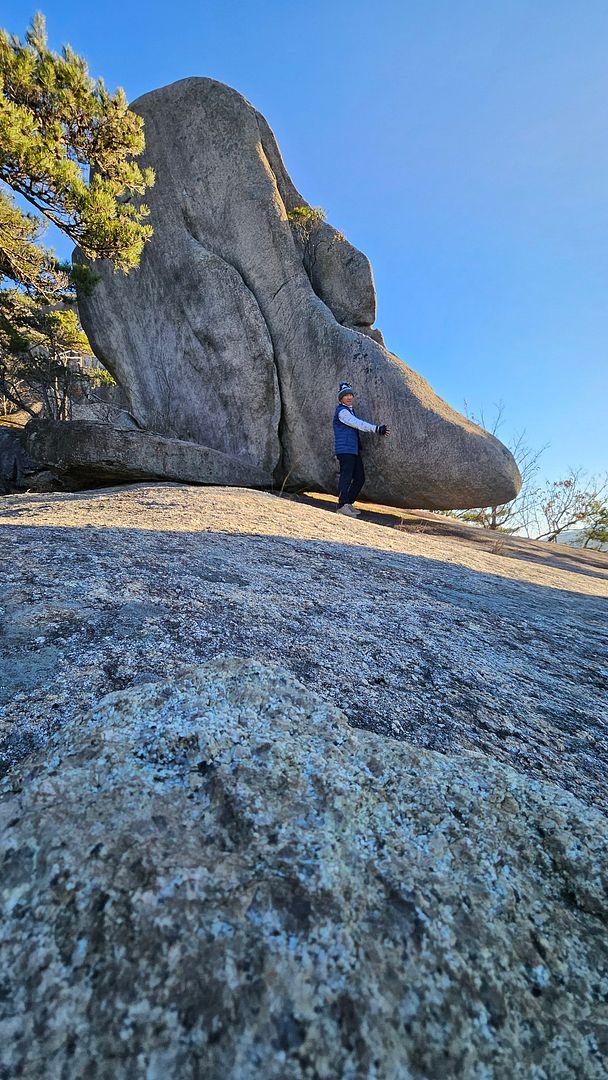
83	448
18	470
15	465
235	333
217	877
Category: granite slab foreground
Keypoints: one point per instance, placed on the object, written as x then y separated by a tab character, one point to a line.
215	876
210	871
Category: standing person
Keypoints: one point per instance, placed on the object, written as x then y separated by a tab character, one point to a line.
348	449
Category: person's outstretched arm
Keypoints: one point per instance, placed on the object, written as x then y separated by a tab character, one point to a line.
345	416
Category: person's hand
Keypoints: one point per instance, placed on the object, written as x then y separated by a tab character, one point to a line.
382	429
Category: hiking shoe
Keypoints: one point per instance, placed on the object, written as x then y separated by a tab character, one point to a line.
354	509
347	511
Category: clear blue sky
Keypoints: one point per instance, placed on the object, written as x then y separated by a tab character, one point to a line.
462	144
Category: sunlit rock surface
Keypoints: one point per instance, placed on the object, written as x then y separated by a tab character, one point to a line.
425	637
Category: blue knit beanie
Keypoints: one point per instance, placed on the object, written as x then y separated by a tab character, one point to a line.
345	388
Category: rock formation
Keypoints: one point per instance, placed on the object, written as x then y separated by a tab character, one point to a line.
440	642
82	448
217	877
19	471
236	329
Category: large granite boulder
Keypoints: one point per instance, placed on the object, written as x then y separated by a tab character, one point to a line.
217	877
238	326
87	450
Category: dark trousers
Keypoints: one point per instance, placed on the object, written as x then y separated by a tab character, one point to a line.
352	477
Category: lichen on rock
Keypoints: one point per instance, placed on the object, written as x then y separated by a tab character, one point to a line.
216	876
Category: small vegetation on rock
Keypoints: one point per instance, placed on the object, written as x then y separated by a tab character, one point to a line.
305	223
305	220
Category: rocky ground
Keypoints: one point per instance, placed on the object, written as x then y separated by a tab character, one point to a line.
436	639
217	877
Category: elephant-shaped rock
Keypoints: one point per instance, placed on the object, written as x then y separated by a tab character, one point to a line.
247	311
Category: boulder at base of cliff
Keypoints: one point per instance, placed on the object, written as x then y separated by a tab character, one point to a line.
217	877
85	449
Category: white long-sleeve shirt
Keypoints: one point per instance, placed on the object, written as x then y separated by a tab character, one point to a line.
345	416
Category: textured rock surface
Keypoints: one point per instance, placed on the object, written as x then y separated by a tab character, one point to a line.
18	471
233	334
424	638
94	450
217	877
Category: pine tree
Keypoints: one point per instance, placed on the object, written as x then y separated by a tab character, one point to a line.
67	147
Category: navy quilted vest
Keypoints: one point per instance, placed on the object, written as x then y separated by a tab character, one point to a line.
347	438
